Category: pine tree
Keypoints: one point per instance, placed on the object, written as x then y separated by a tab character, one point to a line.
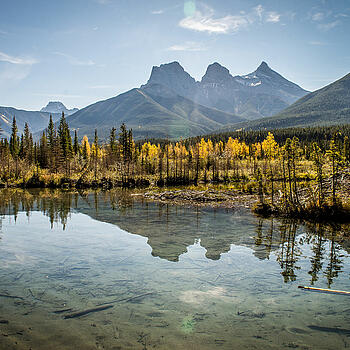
14	140
112	149
65	142
27	144
43	156
52	145
319	160
336	161
76	148
112	141
14	143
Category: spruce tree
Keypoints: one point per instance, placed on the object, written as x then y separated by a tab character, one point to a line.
65	142
14	144
14	140
76	147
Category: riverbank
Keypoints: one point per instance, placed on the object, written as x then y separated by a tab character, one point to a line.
239	194
204	197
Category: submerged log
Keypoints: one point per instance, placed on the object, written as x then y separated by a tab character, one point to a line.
11	296
62	311
88	311
128	299
323	290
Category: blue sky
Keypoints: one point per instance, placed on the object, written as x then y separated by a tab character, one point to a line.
82	51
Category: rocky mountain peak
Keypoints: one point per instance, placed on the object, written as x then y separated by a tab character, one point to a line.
216	73
58	107
173	76
263	67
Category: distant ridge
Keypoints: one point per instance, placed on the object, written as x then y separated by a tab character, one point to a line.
327	106
58	107
153	111
36	120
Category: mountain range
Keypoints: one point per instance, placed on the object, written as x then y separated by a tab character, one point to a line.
36	120
261	93
173	104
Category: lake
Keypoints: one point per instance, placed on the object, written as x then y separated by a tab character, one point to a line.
145	275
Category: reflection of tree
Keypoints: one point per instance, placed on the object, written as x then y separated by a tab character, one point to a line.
318	236
53	203
259	232
317	240
269	239
264	239
335	263
289	253
171	229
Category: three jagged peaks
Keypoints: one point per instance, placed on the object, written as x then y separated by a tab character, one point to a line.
173	74
261	93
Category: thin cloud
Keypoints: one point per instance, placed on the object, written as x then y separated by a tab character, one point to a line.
319	16
344	15
317	43
273	17
188	46
259	11
157	12
17	60
328	26
205	20
14	73
75	61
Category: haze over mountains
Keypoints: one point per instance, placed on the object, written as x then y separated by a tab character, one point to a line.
261	93
173	104
37	120
58	107
327	106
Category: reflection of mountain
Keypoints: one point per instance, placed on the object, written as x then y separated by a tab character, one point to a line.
169	229
172	229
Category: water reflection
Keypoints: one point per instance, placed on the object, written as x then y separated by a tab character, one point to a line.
170	230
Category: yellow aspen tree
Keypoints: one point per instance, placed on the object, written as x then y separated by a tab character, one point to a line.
85	146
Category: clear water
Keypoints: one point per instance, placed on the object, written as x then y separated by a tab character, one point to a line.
177	277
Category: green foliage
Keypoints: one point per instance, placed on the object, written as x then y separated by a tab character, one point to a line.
14	140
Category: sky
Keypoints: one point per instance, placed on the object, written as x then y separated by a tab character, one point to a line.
82	51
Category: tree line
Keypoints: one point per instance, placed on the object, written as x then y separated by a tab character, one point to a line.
253	161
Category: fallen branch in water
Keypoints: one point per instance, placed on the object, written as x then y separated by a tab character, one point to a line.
323	290
11	296
88	311
127	299
62	311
